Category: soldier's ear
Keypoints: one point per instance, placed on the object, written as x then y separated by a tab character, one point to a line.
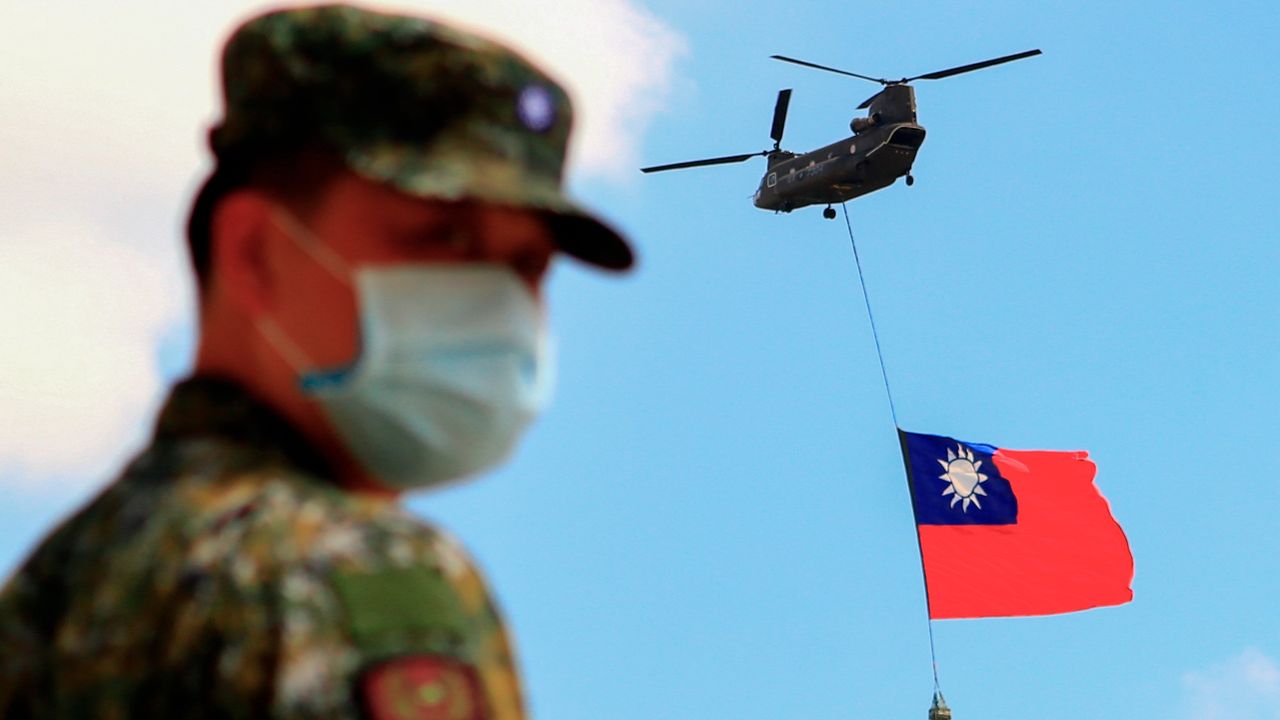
239	231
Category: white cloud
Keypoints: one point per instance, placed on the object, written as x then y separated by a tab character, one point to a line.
132	103
1246	687
78	371
102	124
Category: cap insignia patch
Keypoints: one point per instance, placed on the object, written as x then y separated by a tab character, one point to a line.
536	108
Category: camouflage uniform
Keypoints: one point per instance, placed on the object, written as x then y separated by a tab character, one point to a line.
224	575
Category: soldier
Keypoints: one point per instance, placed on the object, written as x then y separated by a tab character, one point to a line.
369	251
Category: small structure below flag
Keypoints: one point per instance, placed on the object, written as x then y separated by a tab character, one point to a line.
1012	532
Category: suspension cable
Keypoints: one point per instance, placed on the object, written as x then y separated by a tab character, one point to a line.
884	374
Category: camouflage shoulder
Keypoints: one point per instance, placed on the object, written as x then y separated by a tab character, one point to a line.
384	564
359	581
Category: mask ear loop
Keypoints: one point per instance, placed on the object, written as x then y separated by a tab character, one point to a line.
283	344
312	245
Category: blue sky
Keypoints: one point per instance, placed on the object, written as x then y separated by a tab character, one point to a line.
712	521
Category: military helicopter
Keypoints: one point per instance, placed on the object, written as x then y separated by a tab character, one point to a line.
883	146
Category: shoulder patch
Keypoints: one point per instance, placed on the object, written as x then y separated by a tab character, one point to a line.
393	604
421	687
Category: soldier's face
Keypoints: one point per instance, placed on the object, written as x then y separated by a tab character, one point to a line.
366	224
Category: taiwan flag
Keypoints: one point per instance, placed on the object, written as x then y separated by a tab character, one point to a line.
1012	532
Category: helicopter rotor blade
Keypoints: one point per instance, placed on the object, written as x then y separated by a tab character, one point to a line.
780	117
974	66
784	58
709	161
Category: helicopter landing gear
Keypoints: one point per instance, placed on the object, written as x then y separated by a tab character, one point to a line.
911	180
829	213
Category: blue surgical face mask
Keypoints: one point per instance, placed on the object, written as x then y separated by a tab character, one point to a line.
454	364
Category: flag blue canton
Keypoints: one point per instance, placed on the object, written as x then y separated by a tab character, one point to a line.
955	482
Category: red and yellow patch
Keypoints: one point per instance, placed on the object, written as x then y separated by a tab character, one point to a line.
422	687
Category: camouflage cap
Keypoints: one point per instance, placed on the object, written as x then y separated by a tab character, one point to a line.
424	107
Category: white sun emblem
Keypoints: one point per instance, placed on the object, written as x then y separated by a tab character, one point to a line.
964	482
536	108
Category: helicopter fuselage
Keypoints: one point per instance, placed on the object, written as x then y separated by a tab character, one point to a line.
865	162
882	149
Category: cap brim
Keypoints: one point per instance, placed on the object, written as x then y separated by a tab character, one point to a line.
591	240
472	176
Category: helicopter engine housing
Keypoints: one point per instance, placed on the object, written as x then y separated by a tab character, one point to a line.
863	124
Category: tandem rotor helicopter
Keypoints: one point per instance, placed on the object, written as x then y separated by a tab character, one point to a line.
883	146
